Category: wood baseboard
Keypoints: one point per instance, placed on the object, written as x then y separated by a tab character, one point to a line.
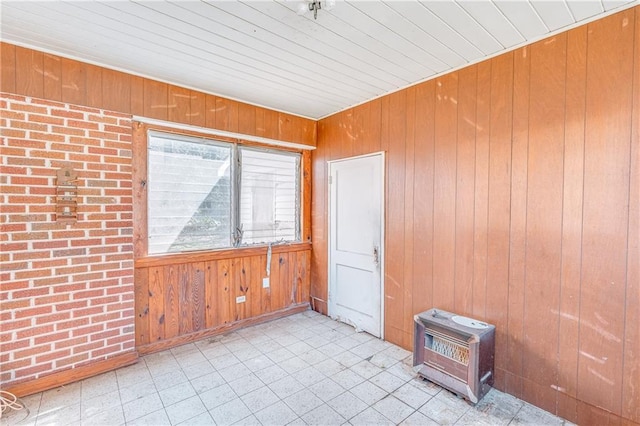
65	377
226	328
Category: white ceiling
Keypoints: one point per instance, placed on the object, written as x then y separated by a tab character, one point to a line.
263	52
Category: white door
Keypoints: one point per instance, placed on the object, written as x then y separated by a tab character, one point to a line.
356	187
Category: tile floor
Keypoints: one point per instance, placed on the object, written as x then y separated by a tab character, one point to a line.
303	369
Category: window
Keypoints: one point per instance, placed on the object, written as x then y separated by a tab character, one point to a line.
204	194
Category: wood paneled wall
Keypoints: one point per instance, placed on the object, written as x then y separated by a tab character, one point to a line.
512	196
180	302
192	295
33	73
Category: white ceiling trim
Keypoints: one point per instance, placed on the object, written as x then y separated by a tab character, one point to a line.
221	133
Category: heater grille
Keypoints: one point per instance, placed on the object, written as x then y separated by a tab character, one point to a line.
451	350
455	352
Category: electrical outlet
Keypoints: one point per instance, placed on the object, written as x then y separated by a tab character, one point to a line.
241	299
265	282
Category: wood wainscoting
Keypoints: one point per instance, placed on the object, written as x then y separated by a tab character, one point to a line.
186	297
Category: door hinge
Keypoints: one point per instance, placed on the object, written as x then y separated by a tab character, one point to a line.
330	179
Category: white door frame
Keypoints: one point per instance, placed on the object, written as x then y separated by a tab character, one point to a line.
381	154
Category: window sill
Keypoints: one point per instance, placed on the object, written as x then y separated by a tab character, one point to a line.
205	256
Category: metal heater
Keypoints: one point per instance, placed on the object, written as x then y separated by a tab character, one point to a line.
455	352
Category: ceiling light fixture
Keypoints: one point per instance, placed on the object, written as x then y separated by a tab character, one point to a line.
314	6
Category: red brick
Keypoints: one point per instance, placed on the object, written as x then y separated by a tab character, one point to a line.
71	342
61	362
50	244
41	282
51	299
46	119
49	263
49	137
11	189
52	356
13	152
51	337
67	114
29	313
21	161
88	347
40	273
73	324
16	124
14	209
88	311
25	372
106	351
67	234
30	293
28	108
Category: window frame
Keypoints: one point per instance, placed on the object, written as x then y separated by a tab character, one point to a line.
303	185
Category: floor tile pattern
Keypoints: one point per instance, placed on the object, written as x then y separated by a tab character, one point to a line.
305	369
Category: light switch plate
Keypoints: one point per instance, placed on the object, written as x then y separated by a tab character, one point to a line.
265	282
241	299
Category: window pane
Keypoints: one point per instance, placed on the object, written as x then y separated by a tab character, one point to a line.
189	195
269	202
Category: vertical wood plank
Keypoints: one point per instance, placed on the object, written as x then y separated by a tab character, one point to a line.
465	179
8	67
142	297
319	223
360	138
265	293
423	197
139	176
444	191
572	211
198	108
303	268
30	72
373	124
267	123
499	203
116	91
284	285
255	287
242	287
226	115
155	99
137	95
211	293
606	183
271	295
198	299
409	230
631	356
394	255
52	77
517	243
246	119
171	301
544	219
94	86
306	197
223	292
179	104
210	111
156	304
74	82
291	279
185	297
481	202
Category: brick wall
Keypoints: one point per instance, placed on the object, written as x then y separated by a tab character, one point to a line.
67	296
